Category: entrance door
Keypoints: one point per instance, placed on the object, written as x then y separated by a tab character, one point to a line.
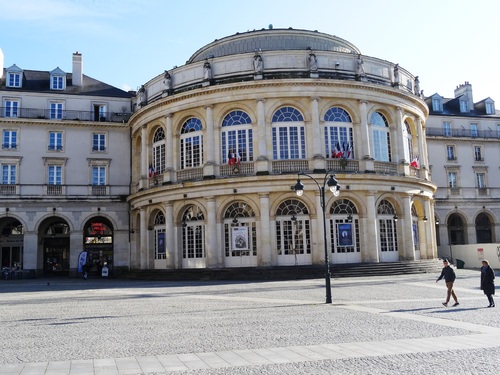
56	256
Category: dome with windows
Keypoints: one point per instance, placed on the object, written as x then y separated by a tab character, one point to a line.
222	145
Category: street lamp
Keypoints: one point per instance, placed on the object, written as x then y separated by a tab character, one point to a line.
334	187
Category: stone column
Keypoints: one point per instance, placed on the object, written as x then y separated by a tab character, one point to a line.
144	243
211	235
30	258
209	150
169	150
397	135
264	153
369	235
264	239
144	158
170	250
318	232
318	146
364	145
407	251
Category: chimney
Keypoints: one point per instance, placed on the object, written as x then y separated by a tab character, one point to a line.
77	69
466	90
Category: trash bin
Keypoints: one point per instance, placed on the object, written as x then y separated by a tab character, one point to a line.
460	263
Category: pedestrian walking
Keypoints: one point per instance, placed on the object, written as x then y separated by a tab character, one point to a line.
449	277
487	282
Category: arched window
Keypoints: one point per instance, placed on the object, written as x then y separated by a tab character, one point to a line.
288	133
159	228
193	233
483	229
456	230
381	139
408	146
414	226
237	137
159	151
293	229
387	231
240	233
344	230
191	144
338	134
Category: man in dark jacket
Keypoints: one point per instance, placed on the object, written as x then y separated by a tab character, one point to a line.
487	283
449	278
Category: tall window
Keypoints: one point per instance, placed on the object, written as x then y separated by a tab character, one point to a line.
159	225
452	180
56	110
344	227
8	174
99	142
338	134
380	137
483	229
98	175
490	108
237	136
480	180
456	230
193	233
293	229
191	144
477	154
464	107
11	108
450	152
408	149
55	141
239	222
474	132
54	175
159	151
447	129
414	226
9	140
57	83
437	104
387	227
288	134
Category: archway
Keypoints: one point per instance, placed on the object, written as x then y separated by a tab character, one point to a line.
55	247
98	243
11	245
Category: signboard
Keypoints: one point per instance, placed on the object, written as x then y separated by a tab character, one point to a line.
239	238
344	234
480	253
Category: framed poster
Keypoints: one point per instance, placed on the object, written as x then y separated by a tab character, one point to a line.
239	238
344	234
161	243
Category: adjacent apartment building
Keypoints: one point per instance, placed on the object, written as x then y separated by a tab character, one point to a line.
65	160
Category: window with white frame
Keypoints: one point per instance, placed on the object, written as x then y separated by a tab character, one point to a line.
14	79
57	83
9	174
11	107
54	176
452	179
498	130
339	141
99	142
236	137
55	141
408	146
56	110
474	131
490	108
437	104
380	137
191	139
159	151
478	154
447	129
450	152
288	134
480	180
159	227
9	141
464	106
98	175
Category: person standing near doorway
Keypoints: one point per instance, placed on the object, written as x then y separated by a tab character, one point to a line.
487	282
449	277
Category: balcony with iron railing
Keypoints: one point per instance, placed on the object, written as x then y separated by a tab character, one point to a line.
62	191
462	133
41	114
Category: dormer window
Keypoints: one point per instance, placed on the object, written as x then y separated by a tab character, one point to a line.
57	79
437	104
464	107
490	108
14	77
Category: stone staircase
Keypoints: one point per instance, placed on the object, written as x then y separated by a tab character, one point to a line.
289	273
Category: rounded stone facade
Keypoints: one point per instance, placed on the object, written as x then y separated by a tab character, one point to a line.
219	144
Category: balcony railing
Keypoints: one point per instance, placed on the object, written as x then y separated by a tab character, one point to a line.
38	113
462	133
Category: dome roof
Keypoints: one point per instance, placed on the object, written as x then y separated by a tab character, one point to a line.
273	40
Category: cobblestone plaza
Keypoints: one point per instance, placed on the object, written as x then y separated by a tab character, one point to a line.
375	325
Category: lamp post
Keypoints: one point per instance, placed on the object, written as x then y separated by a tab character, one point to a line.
334	187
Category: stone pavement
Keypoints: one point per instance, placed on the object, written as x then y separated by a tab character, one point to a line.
376	325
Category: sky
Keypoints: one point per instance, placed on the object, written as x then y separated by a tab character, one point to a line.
126	43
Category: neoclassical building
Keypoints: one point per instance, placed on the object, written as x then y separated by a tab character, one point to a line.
219	143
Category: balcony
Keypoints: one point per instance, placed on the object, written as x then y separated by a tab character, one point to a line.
40	114
462	133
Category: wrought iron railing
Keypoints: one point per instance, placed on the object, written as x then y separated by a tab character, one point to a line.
40	113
